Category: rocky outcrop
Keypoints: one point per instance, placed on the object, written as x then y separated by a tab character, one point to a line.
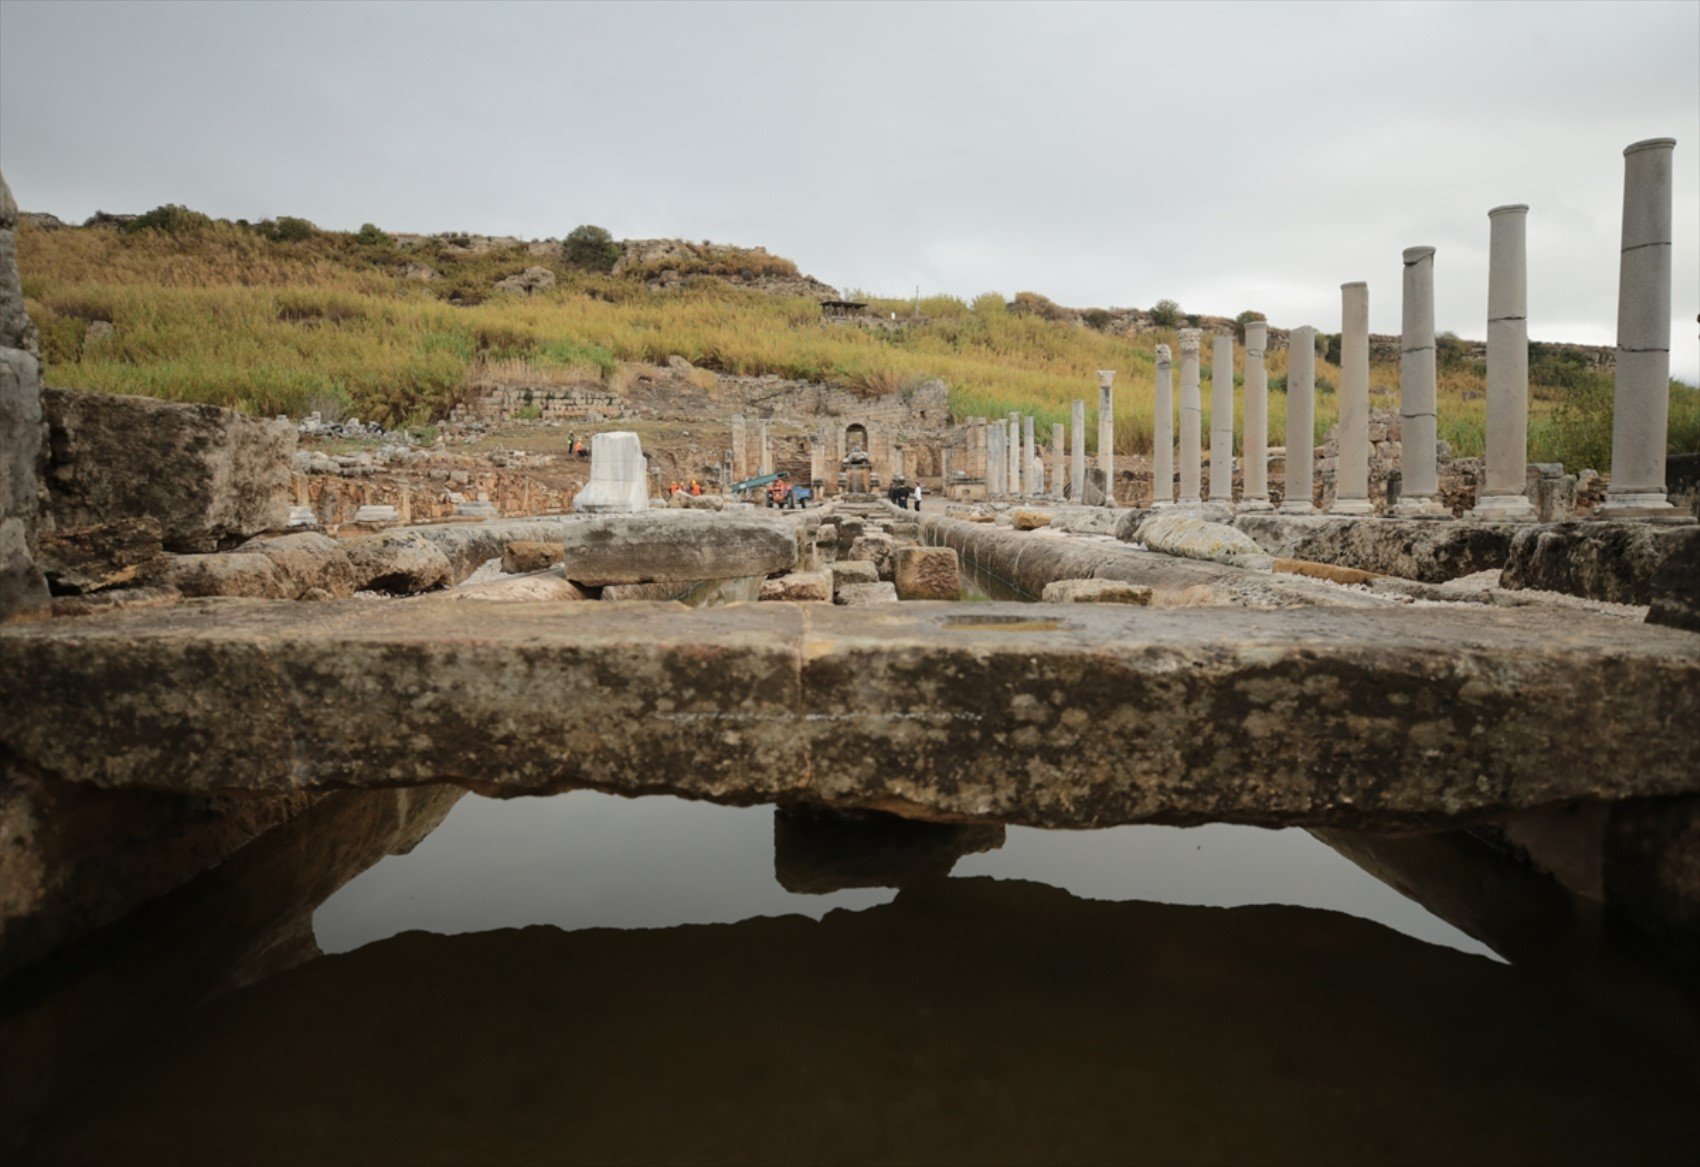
1597	560
210	477
528	282
1429	550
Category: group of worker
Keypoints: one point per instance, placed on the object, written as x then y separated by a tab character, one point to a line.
905	495
693	488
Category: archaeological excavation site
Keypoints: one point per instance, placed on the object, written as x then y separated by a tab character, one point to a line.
683	759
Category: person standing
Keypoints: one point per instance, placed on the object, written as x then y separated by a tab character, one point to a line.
915	496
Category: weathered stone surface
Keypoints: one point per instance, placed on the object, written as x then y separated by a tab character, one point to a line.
799	587
1430	550
1676	585
211	477
1616	560
16	329
470	545
827	534
1083	520
242	574
96	603
88	559
1026	520
530	556
1328	571
878	549
1096	591
701	593
676	545
928	573
1195	538
850	529
530	587
849	571
309	560
400	562
1095	714
23	591
854	595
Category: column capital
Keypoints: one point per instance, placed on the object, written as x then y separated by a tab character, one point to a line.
1163	358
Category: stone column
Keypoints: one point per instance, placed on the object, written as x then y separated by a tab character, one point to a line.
994	459
1107	433
1502	495
1012	483
1641	406
1192	419
1057	462
1254	495
944	471
740	449
1163	433
1351	476
899	462
1222	418
1029	451
1419	494
1077	463
766	466
1301	422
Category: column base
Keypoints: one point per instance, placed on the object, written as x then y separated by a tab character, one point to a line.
1352	507
1194	501
1254	506
1296	508
1634	505
1509	508
1418	508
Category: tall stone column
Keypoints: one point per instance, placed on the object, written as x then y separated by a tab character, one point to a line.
1254	495
995	463
1301	422
944	471
1012	484
1419	495
1502	495
766	448
1077	463
1641	406
1107	433
740	449
1163	433
1057	462
899	462
1351	476
1222	418
1028	453
1192	419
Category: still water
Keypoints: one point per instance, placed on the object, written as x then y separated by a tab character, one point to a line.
588	979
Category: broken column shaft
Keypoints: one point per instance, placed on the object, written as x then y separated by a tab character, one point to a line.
1192	437
1254	495
1503	494
1301	422
1418	496
1222	418
1107	433
1163	432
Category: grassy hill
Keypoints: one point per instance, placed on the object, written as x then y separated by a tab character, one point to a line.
280	317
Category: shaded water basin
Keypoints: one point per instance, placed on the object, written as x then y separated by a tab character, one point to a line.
586	979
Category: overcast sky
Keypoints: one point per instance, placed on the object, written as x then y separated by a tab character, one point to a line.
1228	156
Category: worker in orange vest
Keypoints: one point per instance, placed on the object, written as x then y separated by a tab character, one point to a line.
696	487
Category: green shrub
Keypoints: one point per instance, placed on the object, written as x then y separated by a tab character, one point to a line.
1098	318
1165	313
590	248
171	219
288	229
370	235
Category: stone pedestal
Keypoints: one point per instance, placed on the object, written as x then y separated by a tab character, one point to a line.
619	474
1420	481
1641	407
1301	422
1163	433
1077	461
1254	495
1503	496
1222	418
1192	420
1107	432
1351	481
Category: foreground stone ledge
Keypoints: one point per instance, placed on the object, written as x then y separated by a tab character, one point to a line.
1083	716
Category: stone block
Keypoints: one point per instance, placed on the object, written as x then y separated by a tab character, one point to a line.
234	573
1096	591
799	587
1025	520
928	573
533	587
309	560
849	530
676	545
210	477
877	549
1598	560
858	594
852	571
89	559
1675	599
397	562
619	476
1429	550
527	556
22	588
1195	538
827	534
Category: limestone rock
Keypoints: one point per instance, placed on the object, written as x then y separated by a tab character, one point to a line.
114	600
852	571
235	573
849	530
799	587
878	549
16	329
528	282
1089	520
1676	589
676	545
826	535
1597	560
857	594
309	560
398	562
210	477
523	557
23	591
1194	538
1429	550
928	573
1025	520
536	586
1096	591
89	559
1094	494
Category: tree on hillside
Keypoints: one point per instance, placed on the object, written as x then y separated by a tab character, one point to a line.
1243	319
590	248
172	219
1165	313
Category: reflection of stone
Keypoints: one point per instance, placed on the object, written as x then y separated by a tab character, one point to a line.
816	852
